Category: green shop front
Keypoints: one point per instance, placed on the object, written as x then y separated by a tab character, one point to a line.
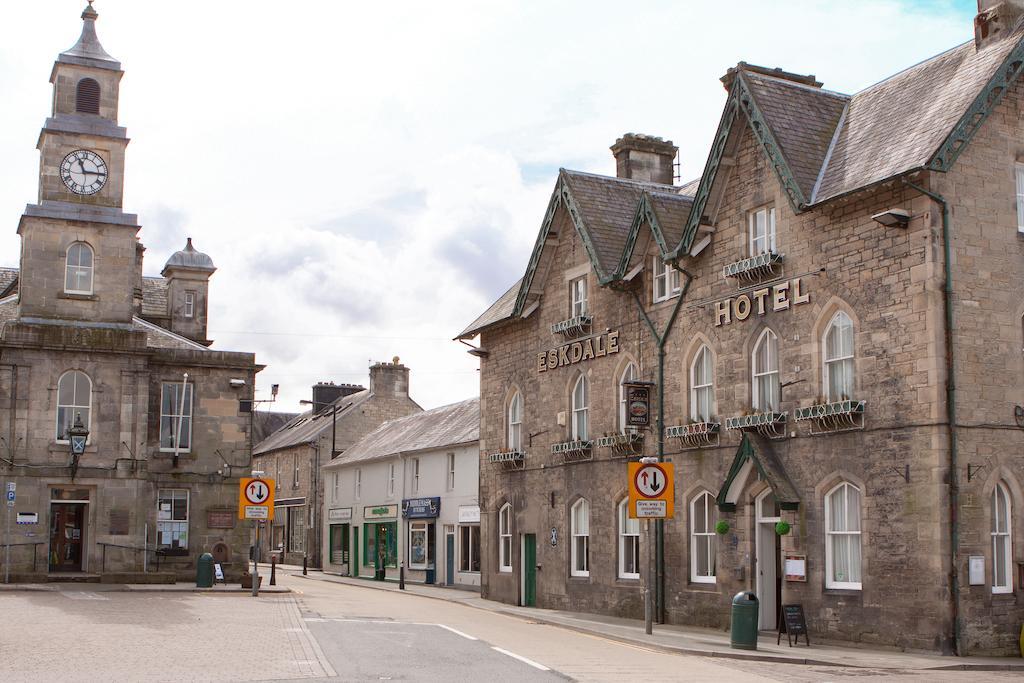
379	542
420	515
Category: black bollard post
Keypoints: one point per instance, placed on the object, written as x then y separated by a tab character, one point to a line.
304	564
273	569
401	577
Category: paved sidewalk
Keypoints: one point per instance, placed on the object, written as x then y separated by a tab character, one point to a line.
692	640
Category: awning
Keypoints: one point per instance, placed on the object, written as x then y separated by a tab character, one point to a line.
756	452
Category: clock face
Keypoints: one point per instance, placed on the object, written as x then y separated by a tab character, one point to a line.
83	172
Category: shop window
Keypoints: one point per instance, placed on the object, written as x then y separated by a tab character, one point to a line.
842	542
702	539
296	529
87	96
765	363
839	358
418	545
172	519
580	409
580	518
666	280
505	538
451	471
578	297
762	231
629	374
469	548
1019	174
78	269
702	387
371	534
629	544
74	397
1002	557
190	304
176	417
515	423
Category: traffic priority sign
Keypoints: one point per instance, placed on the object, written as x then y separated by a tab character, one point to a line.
651	490
256	498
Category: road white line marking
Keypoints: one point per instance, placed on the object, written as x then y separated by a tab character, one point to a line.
458	633
513	655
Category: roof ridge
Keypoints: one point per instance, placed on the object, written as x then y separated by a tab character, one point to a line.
828	154
616	178
803	86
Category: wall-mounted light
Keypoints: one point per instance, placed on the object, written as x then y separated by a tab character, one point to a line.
893	218
238	383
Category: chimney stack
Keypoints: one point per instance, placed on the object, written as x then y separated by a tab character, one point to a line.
995	20
644	157
389	379
326	393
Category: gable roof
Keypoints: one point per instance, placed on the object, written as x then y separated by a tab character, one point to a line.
308	426
497	312
452	425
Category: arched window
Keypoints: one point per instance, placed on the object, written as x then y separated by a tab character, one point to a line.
87	96
629	374
74	397
629	544
702	538
842	537
580	409
580	521
505	538
702	387
766	373
839	358
1002	557
78	269
515	423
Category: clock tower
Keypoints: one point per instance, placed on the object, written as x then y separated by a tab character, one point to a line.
81	259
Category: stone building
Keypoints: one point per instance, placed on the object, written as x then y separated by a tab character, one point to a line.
339	415
832	314
406	495
123	436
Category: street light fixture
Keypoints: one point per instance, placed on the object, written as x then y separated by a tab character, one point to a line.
78	435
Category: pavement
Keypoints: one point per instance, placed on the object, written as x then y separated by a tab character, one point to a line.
692	640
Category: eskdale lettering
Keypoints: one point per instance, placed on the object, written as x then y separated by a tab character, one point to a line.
577	351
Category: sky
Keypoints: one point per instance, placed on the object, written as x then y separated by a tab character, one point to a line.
368	177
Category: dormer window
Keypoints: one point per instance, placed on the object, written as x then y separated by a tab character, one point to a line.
190	304
578	297
87	96
78	269
762	231
666	280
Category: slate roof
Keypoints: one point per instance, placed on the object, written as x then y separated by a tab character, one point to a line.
307	426
266	422
672	210
8	281
451	425
495	313
154	297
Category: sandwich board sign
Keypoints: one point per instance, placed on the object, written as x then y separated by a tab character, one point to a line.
256	498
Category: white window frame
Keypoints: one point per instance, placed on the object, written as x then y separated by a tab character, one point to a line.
1019	178
337	487
703	540
466	560
578	297
415	475
190	304
629	533
665	281
170	523
515	423
390	488
1002	535
766	376
87	271
77	405
358	484
451	471
176	407
580	429
700	389
416	529
842	363
762	241
579	516
830	533
295	470
505	538
629	374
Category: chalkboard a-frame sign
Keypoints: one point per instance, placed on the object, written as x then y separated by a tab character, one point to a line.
794	624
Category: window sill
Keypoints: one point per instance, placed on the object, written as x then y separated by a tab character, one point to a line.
843	592
503	570
78	296
658	302
628	579
170	451
580	578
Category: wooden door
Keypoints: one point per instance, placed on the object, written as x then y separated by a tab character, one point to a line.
529	570
67	536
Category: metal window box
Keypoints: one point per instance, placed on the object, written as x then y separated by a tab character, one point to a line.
573	327
769	425
573	451
630	443
837	416
695	434
755	268
510	460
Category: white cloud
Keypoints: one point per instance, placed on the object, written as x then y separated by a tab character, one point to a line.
369	176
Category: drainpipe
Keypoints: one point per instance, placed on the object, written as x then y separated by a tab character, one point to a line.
954	477
659	527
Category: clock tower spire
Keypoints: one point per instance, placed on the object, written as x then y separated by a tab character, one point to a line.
80	256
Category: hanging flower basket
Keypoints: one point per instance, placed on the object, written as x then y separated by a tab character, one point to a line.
722	528
782	528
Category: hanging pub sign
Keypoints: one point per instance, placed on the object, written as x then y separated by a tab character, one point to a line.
638	403
421	508
778	297
580	350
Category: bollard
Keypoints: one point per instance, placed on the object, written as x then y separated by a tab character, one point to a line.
401	578
273	569
648	612
304	565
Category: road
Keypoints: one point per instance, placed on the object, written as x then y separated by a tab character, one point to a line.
331	631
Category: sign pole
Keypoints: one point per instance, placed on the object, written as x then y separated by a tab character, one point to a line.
7	550
256	561
648	607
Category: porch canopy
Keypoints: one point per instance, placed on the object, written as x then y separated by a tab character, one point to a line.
756	453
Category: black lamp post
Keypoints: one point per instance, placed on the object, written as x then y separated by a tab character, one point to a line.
78	434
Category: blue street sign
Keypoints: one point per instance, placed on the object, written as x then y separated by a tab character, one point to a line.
10	496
